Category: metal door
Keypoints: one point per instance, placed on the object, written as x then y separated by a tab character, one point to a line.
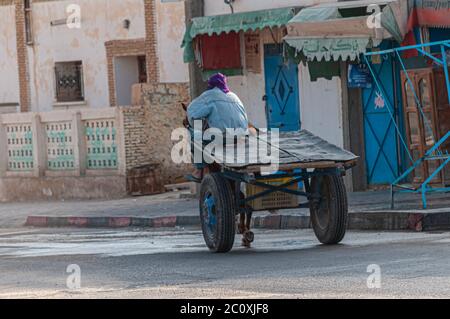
380	137
282	90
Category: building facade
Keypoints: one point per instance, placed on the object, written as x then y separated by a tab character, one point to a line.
90	91
323	85
86	53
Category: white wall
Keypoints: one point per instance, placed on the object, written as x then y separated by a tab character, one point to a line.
9	77
251	89
321	107
216	7
101	21
126	74
171	28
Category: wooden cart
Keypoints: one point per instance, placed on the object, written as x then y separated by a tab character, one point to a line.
309	176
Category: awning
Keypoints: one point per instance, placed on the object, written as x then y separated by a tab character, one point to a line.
345	29
245	21
331	49
429	13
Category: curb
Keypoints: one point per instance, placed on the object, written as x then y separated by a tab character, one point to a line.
429	220
112	222
385	220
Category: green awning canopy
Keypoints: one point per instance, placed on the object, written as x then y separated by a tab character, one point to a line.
393	16
390	23
316	14
343	30
317	49
245	21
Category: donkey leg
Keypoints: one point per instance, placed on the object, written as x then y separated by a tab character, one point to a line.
248	236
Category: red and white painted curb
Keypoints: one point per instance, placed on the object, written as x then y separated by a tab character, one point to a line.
391	221
110	222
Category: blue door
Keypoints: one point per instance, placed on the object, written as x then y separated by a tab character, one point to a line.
381	139
282	96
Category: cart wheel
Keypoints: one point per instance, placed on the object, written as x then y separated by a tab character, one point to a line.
217	213
329	213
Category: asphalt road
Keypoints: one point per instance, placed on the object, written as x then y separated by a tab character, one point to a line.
175	264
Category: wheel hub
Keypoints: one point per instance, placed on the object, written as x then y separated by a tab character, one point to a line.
210	218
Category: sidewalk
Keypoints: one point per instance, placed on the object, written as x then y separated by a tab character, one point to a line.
368	210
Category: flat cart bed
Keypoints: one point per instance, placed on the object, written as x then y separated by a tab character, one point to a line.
308	167
300	149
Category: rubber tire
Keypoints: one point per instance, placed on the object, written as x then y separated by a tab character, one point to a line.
225	231
333	191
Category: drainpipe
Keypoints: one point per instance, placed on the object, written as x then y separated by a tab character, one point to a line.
193	9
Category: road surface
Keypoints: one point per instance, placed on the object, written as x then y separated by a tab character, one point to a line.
175	264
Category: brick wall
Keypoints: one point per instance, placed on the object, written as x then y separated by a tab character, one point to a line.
143	170
151	44
148	127
136	137
22	56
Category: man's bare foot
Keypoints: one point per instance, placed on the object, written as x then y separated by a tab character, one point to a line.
196	176
253	131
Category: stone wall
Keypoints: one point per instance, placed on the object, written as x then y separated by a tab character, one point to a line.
149	125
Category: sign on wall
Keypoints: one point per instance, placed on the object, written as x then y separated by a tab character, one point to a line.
359	76
253	52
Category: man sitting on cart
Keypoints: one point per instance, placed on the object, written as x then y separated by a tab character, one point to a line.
221	108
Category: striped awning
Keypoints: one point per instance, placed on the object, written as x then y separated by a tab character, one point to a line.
429	13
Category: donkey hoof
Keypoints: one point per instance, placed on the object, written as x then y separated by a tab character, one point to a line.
249	236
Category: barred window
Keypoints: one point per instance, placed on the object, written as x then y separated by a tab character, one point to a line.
69	81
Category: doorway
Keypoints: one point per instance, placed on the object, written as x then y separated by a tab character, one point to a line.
282	90
128	70
383	159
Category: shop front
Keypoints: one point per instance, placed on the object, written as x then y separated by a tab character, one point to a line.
304	68
248	47
332	38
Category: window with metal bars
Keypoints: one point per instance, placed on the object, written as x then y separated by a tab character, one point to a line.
69	81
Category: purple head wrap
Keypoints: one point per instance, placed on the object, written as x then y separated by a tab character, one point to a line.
218	81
